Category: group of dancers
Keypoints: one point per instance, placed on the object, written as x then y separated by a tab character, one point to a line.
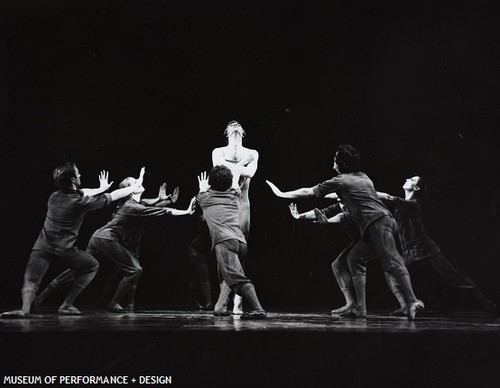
379	225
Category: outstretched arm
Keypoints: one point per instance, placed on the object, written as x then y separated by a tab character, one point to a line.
384	195
304	192
169	199
332	196
316	216
103	185
176	212
122	193
310	215
322	219
248	165
203	182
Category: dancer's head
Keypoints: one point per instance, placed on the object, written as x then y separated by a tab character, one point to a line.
417	186
347	159
66	176
412	184
234	127
220	178
129	181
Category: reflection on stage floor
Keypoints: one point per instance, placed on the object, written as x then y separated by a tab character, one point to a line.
289	348
177	319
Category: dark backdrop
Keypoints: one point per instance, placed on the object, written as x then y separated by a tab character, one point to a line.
120	84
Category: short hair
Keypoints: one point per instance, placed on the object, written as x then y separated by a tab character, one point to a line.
63	174
220	178
348	159
129	181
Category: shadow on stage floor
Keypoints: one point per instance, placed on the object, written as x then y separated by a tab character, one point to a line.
308	348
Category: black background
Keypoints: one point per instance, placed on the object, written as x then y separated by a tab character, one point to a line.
120	84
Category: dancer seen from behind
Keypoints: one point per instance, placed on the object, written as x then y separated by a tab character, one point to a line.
220	198
66	209
377	227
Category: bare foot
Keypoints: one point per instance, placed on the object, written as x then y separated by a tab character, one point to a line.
69	310
115	308
238	305
342	309
16	314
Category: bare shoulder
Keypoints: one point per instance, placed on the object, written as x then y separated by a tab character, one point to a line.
218	150
253	152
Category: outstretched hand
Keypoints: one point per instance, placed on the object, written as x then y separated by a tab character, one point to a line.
293	211
321	217
192	206
140	180
103	180
175	195
274	188
203	181
162	192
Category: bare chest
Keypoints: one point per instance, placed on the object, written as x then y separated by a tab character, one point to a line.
235	154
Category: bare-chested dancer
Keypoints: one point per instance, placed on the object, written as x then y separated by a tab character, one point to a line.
247	159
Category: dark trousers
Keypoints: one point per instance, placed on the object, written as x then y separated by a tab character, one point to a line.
125	261
199	251
229	267
379	239
83	267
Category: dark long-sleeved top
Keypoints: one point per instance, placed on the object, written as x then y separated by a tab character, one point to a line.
357	192
221	210
65	212
415	241
127	224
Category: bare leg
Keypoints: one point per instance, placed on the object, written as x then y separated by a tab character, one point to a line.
403	308
344	280
221	305
36	268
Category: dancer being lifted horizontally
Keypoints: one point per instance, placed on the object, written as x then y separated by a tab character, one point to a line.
66	209
247	159
419	250
220	198
376	224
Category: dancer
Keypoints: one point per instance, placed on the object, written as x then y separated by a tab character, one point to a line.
162	200
247	159
119	240
420	251
66	209
220	198
376	224
337	214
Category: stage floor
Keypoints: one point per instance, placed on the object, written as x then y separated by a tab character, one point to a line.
161	319
289	348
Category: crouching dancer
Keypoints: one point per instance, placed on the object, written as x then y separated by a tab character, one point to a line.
119	240
66	209
219	198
